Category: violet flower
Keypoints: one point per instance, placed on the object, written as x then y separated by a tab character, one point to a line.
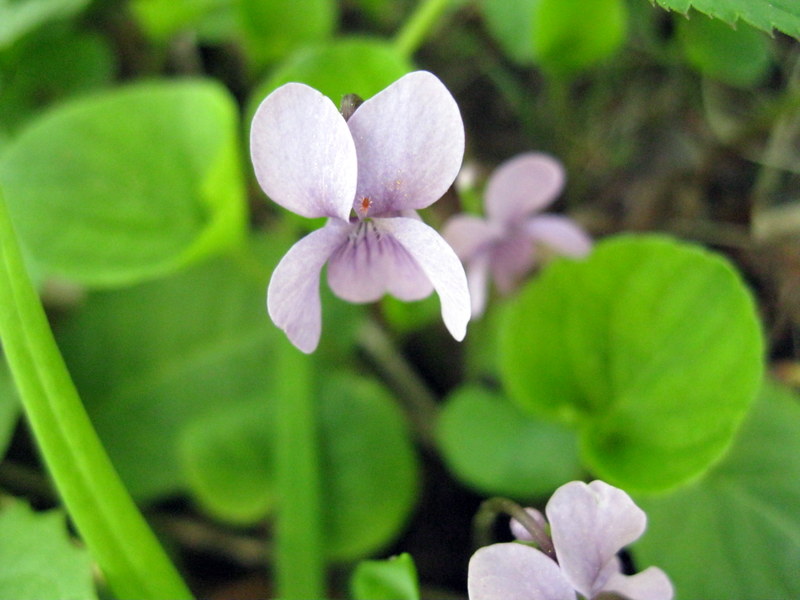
589	524
509	242
399	151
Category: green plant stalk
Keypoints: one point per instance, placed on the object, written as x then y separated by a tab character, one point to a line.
127	551
299	550
419	25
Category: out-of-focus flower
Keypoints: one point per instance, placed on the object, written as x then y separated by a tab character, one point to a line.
589	524
397	152
509	242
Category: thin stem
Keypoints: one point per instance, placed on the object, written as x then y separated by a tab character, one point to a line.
419	25
491	508
109	522
299	554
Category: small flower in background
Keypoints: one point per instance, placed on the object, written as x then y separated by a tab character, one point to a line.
589	524
397	152
509	242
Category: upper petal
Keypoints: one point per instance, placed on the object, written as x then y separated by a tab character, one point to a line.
589	525
440	264
650	584
303	154
371	263
293	293
522	185
410	142
515	572
561	234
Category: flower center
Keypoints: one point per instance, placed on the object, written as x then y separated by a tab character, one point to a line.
363	207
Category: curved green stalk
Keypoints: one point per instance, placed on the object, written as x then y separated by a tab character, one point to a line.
419	24
117	535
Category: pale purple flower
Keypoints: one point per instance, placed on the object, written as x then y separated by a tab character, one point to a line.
589	524
508	243
398	152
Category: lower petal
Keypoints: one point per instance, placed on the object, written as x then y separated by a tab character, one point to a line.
650	584
293	294
477	281
440	265
515	572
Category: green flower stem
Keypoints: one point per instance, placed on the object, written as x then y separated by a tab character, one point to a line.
418	26
299	552
117	535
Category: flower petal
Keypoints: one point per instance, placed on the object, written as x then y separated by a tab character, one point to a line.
515	572
512	259
589	525
468	234
440	264
561	234
410	142
293	292
524	184
303	154
371	263
478	283
518	529
650	584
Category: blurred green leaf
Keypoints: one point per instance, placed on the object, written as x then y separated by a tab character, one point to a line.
766	15
499	450
129	184
736	532
211	19
511	24
369	471
9	408
347	66
152	359
739	57
49	66
651	347
276	28
572	35
392	579
18	17
39	560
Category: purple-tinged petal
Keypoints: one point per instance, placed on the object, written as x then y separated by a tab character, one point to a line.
512	259
468	234
293	293
410	142
515	572
522	185
561	234
522	534
303	154
478	282
589	525
650	584
372	263
440	264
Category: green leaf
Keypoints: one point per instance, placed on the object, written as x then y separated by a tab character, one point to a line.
766	15
739	57
161	19
572	35
511	24
9	408
278	27
151	359
653	350
39	560
347	66
392	579
741	519
499	450
18	17
129	184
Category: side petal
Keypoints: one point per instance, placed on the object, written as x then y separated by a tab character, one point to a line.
293	293
441	266
650	584
410	143
515	572
371	263
589	524
303	154
468	234
522	185
561	234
